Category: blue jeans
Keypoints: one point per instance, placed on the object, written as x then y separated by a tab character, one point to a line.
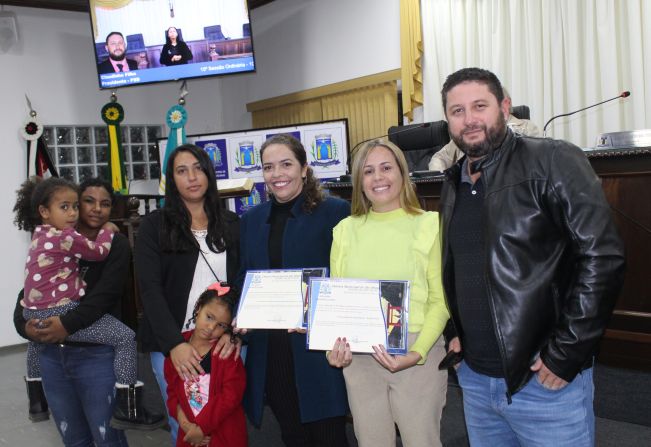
157	362
537	416
79	385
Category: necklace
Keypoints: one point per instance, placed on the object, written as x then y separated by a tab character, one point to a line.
199	233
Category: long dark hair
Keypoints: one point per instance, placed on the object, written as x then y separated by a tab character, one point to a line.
168	41
311	186
35	192
175	232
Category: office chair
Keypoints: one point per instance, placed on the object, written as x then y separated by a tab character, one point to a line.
213	32
421	143
135	42
100	49
521	112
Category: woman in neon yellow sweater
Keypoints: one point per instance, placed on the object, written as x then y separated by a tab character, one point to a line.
388	236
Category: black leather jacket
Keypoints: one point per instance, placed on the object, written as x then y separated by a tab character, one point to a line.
554	261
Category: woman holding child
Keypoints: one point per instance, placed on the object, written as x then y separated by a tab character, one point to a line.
182	248
78	377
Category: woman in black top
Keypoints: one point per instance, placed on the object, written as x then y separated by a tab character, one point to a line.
292	230
175	51
79	378
181	249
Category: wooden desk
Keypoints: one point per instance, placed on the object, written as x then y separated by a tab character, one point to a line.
626	179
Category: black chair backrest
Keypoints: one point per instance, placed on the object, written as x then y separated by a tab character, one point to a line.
521	112
420	143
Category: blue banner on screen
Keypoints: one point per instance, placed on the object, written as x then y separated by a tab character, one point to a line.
147	76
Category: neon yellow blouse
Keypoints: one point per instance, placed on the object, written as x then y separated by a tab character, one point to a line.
401	246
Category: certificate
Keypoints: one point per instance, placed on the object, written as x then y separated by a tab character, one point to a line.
366	312
275	299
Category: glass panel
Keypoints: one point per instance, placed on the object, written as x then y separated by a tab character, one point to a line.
64	135
84	155
154	171
139	172
101	153
50	151
68	173
137	134
153	133
66	156
125	134
83	135
103	172
48	132
101	135
152	150
86	172
138	153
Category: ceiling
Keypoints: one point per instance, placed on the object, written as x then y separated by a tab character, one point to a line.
82	5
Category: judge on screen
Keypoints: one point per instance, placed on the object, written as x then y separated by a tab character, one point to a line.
117	61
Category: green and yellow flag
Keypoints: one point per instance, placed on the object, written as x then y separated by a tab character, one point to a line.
113	114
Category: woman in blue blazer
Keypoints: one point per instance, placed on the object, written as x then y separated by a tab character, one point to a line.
292	230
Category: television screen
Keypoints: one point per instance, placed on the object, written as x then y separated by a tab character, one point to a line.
145	41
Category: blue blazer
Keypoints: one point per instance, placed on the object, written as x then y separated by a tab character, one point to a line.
306	243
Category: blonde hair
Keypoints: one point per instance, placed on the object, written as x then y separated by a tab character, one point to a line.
361	205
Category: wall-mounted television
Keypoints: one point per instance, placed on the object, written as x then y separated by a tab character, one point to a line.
146	41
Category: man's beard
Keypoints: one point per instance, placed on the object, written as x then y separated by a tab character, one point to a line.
117	58
494	137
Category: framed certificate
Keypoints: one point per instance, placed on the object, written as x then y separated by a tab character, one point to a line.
367	312
276	299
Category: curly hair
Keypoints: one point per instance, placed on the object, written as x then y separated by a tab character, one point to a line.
33	193
176	235
98	183
229	300
311	185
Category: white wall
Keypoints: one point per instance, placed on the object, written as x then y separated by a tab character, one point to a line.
302	44
299	44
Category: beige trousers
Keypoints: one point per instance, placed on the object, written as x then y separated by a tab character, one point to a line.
413	399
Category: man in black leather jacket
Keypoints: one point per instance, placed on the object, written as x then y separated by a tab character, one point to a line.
532	266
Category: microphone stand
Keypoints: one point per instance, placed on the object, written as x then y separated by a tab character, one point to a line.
623	95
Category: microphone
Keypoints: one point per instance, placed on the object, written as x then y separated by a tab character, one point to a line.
625	94
347	177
